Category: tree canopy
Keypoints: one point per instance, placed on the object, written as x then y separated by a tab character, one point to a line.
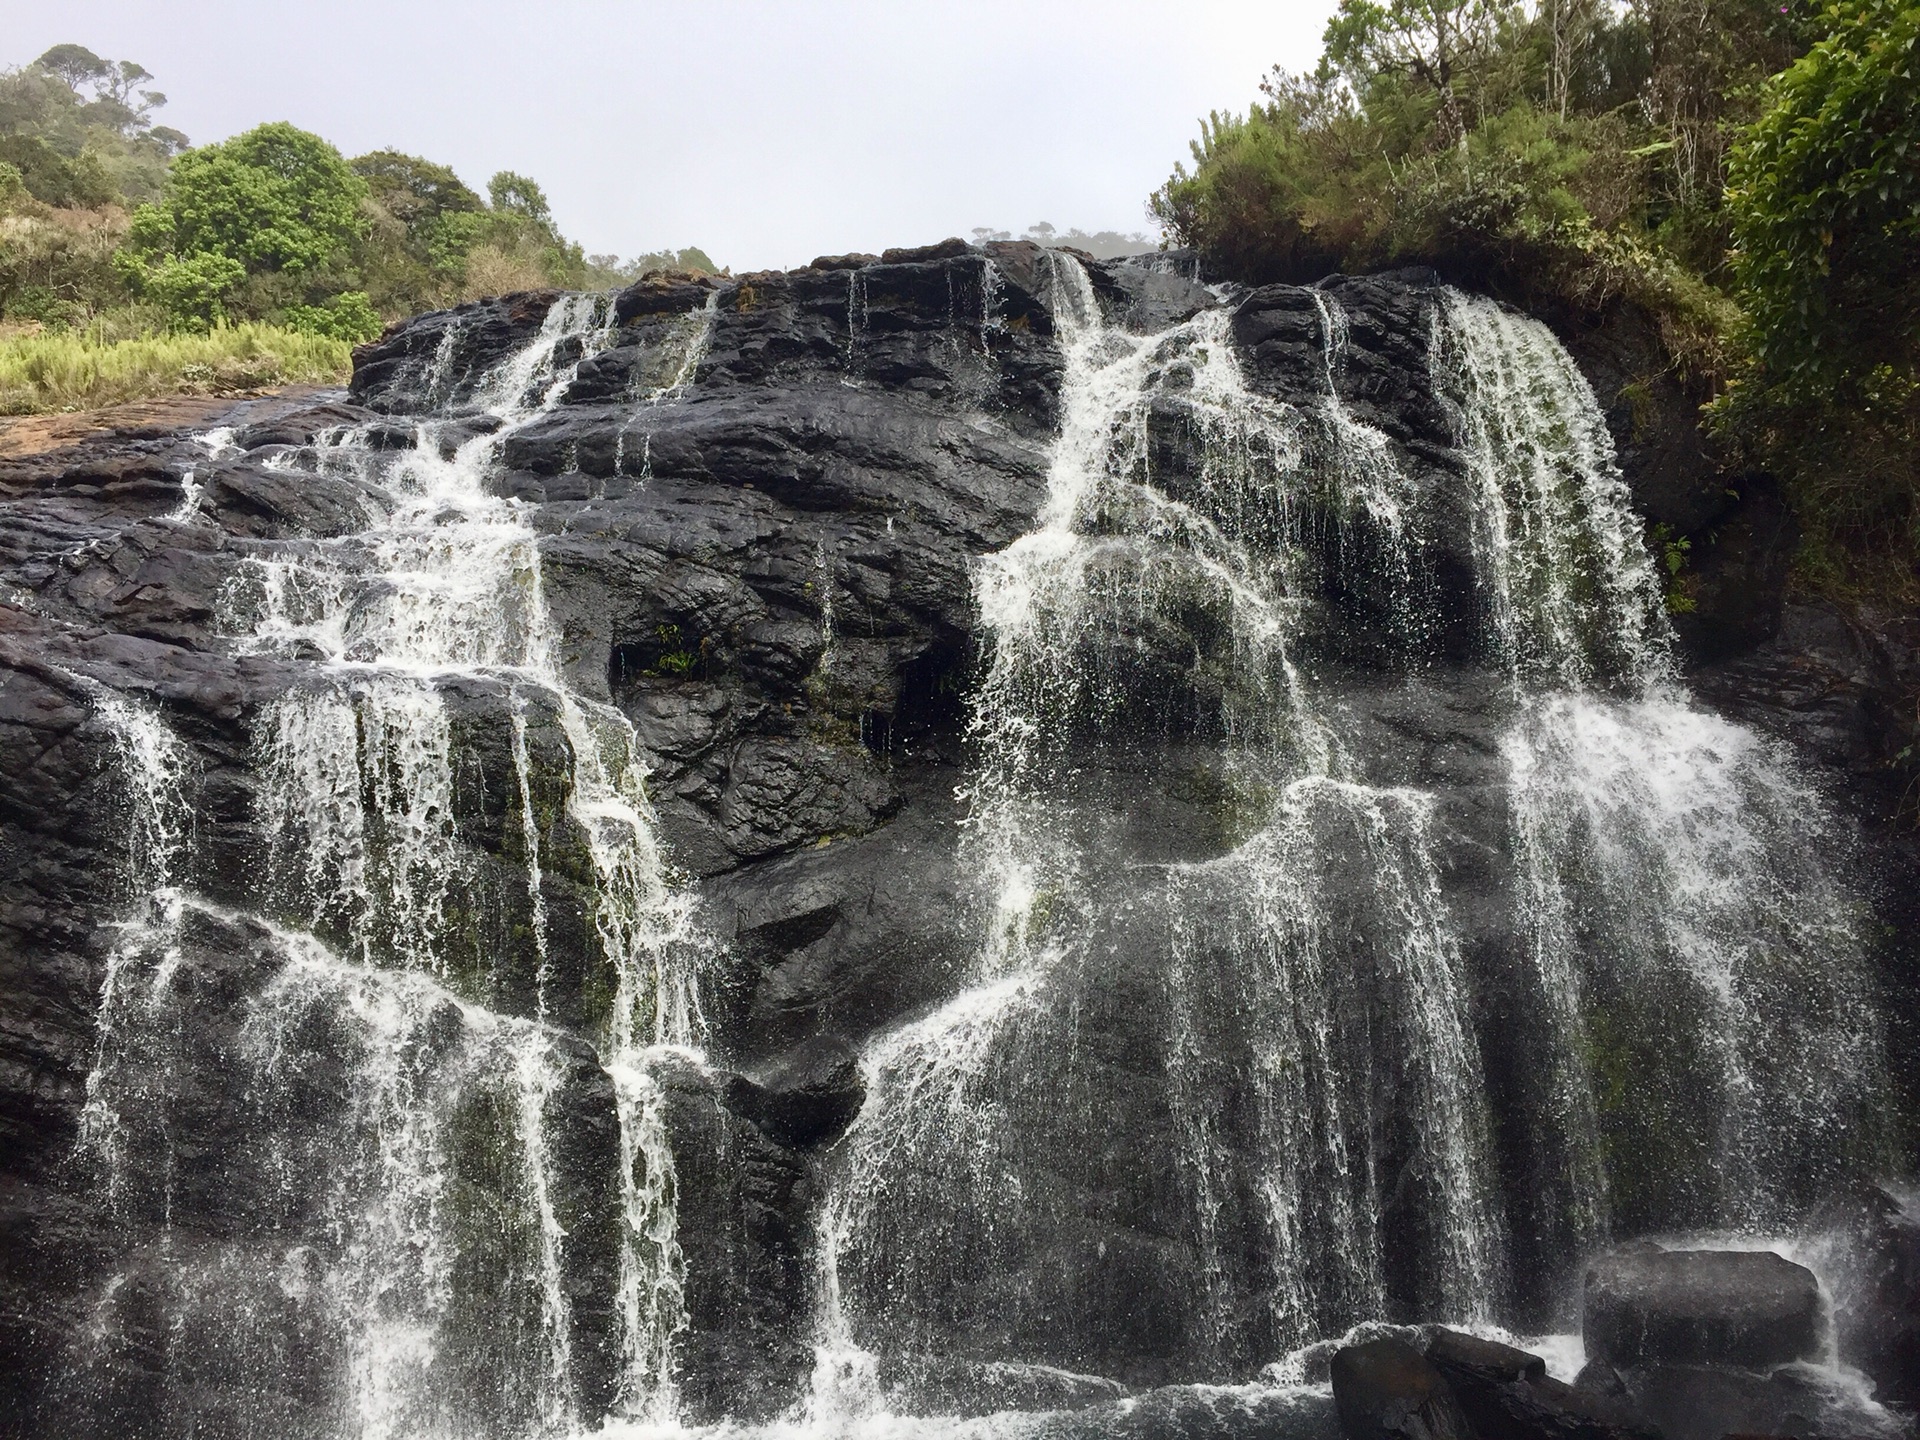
274	203
1745	171
1825	204
274	199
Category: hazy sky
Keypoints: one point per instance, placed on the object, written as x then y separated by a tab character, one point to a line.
765	132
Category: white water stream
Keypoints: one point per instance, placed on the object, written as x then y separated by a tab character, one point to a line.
441	592
1323	1120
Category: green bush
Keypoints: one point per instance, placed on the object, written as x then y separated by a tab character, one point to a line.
1824	204
275	202
78	181
193	289
349	316
67	255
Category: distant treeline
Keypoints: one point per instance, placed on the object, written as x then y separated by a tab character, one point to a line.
1101	244
116	226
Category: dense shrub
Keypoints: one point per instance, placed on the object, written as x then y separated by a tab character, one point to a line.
1576	152
1824	204
258	219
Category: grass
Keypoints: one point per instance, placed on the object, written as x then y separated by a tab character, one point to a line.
50	372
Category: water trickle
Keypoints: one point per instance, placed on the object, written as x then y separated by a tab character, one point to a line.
218	443
357	795
1570	596
652	1294
122	1094
530	843
1128	563
1677	882
1367	477
683	350
824	582
437	1113
856	315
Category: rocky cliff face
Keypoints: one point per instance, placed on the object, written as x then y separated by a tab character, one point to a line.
759	507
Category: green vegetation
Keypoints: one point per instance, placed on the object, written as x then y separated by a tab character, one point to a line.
271	246
71	371
1825	208
258	225
1744	170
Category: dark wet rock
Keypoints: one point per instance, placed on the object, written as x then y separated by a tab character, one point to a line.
1148	300
1841	685
805	1098
1749	1308
1387	1390
665	292
1869	1244
1730	590
743	1225
1709	1402
1506	1394
852	261
920	254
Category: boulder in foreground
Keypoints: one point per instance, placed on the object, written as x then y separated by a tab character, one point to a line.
1746	1308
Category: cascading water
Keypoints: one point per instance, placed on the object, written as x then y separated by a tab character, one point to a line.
432	1257
1214	1088
1284	1212
1301	995
156	768
1716	1056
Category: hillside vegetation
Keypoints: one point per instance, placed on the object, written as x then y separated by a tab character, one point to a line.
134	263
1744	170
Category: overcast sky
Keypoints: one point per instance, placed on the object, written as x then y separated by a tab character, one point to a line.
765	132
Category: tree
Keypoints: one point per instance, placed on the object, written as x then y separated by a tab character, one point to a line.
90	113
517	195
416	191
1570	26
115	103
75	65
274	201
424	223
1431	41
1825	204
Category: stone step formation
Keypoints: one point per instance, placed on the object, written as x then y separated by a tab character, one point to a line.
968	841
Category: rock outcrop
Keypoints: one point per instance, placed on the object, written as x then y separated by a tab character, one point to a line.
1752	1309
760	505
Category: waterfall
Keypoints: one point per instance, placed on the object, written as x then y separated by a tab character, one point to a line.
1301	985
1273	1026
1715	1051
431	1250
1251	983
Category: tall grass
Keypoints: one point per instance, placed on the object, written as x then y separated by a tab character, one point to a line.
68	371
